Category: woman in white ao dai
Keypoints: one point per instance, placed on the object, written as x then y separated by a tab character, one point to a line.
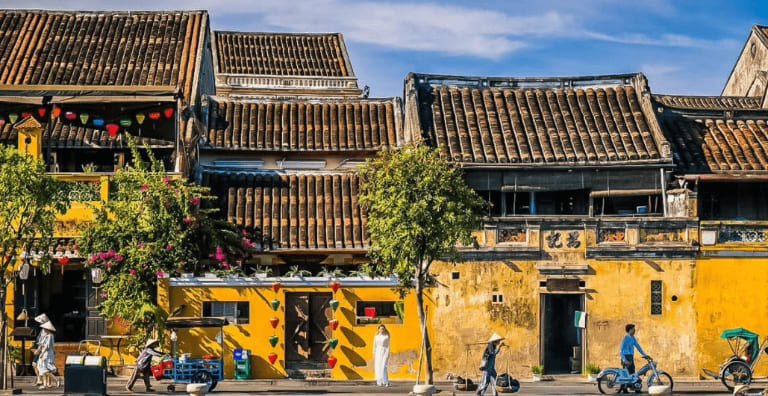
381	355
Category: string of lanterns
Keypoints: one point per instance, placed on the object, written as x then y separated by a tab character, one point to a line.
274	321
112	126
333	323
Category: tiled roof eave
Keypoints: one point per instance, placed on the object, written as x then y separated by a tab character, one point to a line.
292	150
569	165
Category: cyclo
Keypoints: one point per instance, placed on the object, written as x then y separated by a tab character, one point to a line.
738	368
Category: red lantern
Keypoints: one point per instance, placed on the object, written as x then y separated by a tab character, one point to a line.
334	324
274	321
25	114
154	115
63	259
168	112
276	286
332	361
41	111
370	312
70	115
272	357
112	129
335	285
56	112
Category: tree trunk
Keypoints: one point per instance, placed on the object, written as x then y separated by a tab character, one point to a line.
424	334
3	333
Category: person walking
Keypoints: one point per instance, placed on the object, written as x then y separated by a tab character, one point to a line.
41	319
627	351
488	364
45	361
381	356
143	363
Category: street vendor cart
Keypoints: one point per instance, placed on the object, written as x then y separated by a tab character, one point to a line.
183	369
739	366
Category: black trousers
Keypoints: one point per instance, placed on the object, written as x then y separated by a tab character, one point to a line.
146	372
628	362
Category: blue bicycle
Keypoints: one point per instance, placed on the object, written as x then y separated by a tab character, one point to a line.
613	377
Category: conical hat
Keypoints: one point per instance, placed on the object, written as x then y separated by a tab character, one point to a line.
150	342
48	326
42	318
495	337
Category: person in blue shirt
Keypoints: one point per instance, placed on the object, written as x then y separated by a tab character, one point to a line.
627	351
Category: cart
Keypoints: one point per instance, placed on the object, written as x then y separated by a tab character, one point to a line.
737	369
209	370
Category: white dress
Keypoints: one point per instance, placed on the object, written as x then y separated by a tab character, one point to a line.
380	357
45	362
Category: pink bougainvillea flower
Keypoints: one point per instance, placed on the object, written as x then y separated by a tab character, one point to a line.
166	179
144	187
245	232
194	200
168	246
187	219
178	270
220	255
108	264
167	205
103	295
132	271
110	253
140	245
159	273
118	257
102	256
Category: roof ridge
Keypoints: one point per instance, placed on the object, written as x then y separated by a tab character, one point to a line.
283	33
96	12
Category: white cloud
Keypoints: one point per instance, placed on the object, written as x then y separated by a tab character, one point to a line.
664	40
657	69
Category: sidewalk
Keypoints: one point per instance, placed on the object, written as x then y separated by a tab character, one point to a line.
560	385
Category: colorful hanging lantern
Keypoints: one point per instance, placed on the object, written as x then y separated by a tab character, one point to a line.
98	122
274	321
140	118
70	115
41	111
63	259
332	361
273	340
275	303
112	129
25	114
2	122
272	357
125	123
334	324
333	342
154	115
55	112
276	286
334	304
84	118
168	112
13	117
335	285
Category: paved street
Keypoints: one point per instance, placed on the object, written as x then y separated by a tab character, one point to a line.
569	385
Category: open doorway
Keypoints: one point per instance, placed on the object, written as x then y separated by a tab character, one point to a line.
561	342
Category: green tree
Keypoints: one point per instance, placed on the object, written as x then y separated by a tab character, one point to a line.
151	225
30	201
419	209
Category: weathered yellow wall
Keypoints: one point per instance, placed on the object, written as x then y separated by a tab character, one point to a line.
730	292
354	352
616	293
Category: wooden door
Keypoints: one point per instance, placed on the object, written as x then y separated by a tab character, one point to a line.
306	326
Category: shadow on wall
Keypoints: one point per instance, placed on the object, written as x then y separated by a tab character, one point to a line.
354	339
350	373
265	368
354	357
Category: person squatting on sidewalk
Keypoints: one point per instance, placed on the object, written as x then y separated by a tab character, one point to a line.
143	363
488	364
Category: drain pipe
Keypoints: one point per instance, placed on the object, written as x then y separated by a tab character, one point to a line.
663	191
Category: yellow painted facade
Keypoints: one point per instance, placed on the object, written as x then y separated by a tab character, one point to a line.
354	350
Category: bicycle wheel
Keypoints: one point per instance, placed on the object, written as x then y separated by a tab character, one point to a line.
203	377
606	383
736	373
663	379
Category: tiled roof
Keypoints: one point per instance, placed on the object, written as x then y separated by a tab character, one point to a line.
511	122
313	211
326	125
718	144
66	135
282	54
709	102
154	48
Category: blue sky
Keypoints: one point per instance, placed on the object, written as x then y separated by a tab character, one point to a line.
683	47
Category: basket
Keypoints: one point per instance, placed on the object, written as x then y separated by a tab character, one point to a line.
465	387
157	371
514	386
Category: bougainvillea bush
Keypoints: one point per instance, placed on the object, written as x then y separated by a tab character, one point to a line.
151	225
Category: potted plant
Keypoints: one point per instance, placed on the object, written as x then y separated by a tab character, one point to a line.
537	370
591	370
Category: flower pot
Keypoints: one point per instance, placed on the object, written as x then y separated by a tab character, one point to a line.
536	377
591	377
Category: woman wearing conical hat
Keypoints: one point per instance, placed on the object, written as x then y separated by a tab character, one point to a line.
45	362
488	364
